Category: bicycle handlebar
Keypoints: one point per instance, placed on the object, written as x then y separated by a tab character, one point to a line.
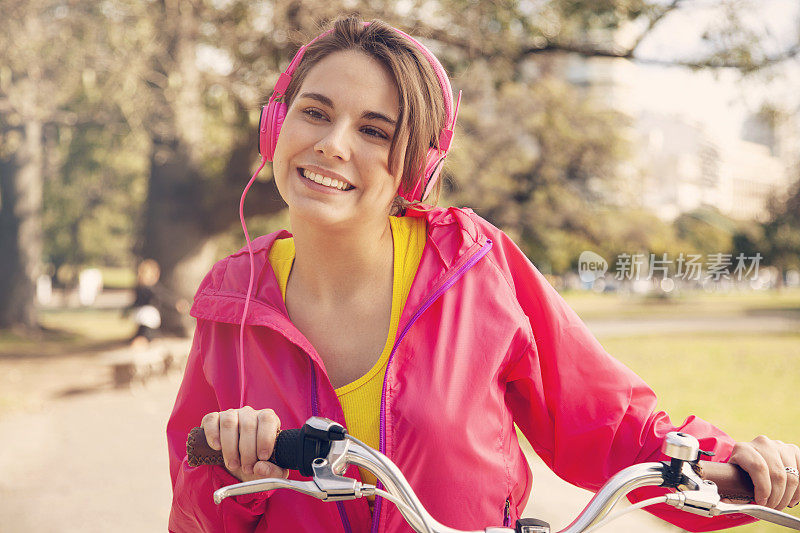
732	482
285	453
322	449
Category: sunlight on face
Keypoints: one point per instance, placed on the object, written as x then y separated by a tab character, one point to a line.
331	161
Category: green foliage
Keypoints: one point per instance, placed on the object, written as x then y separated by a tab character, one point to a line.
601	14
780	235
532	151
94	202
528	160
706	230
749	239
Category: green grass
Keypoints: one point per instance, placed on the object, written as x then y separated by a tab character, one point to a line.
118	277
69	331
591	306
91	324
747	384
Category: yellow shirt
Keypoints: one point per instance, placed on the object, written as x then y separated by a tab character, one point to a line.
361	399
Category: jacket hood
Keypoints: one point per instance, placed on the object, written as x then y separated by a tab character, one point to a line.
222	293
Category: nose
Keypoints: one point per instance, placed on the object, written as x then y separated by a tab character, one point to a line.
334	143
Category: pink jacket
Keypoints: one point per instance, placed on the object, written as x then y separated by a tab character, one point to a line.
484	342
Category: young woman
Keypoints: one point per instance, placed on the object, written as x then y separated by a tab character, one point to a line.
429	335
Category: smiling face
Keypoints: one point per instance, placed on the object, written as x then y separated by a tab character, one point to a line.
331	162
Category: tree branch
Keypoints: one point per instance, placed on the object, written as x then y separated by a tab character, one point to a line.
717	62
580	49
710	62
484	48
653	22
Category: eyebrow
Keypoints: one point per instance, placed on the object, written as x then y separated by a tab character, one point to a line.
369	115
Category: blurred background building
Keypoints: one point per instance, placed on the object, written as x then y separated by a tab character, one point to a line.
699	139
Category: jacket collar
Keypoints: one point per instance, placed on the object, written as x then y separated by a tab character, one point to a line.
221	295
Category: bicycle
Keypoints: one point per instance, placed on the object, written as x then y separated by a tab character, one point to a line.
322	449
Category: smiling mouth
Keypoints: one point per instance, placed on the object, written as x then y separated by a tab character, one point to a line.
326	181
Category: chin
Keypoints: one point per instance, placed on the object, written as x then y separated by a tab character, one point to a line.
319	214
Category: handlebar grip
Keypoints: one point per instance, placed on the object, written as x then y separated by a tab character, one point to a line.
287	453
732	482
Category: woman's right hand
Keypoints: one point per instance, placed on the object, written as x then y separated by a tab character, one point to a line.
246	438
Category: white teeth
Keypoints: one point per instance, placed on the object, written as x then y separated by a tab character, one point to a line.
325	180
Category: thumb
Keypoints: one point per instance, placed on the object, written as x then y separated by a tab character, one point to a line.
267	469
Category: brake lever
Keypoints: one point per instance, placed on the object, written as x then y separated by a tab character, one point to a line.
326	485
336	487
762	513
706	502
261	485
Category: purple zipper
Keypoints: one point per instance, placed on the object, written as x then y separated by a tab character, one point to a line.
343	516
314	401
315	412
449	283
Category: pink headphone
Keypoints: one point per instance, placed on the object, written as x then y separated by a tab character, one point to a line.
274	112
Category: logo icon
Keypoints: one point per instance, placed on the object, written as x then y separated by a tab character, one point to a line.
591	267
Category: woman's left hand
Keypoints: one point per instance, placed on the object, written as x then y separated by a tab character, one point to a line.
773	467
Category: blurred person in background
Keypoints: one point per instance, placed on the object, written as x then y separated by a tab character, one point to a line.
143	309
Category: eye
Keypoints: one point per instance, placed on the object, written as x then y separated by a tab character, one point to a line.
314	113
374	132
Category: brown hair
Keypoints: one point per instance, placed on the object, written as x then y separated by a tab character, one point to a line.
422	108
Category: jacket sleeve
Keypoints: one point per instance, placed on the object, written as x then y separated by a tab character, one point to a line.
193	508
585	413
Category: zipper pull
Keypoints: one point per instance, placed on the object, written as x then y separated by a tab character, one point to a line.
507	514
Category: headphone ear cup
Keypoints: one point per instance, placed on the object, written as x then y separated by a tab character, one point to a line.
424	183
272	116
433	165
432	172
262	129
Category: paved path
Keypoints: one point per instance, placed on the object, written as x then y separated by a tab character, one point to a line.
88	461
740	324
558	503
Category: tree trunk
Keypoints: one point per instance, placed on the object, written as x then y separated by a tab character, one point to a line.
184	208
173	233
21	230
182	211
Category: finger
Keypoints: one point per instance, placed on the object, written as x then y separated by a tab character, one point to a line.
788	460
777	471
796	496
210	425
267	469
755	465
268	426
247	438
229	438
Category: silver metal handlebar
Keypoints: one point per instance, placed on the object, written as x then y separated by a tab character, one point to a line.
693	495
633	477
